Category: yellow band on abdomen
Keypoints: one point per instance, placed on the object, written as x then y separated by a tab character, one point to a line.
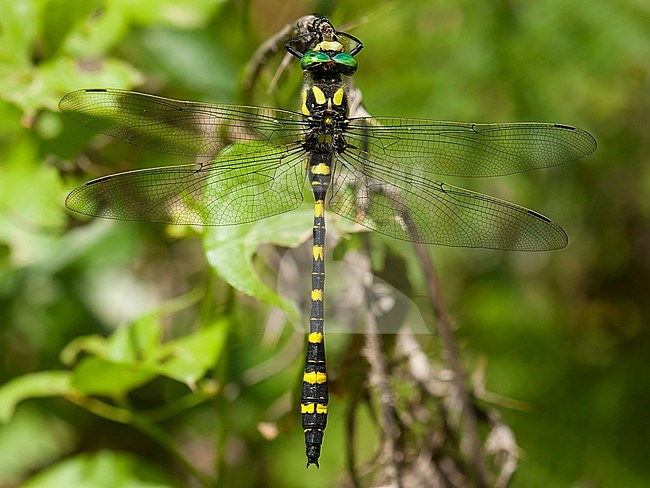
319	208
314	378
319	252
316	337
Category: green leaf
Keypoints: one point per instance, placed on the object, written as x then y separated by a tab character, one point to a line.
128	343
230	251
135	354
97	376
103	469
29	192
146	334
53	79
32	385
189	358
135	341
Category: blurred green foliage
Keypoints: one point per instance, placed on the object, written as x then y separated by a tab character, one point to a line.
90	310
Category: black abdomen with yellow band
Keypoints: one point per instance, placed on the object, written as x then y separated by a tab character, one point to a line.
314	397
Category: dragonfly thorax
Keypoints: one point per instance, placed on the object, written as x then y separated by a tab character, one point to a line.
325	106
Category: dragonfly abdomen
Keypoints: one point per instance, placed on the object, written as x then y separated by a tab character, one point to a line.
315	397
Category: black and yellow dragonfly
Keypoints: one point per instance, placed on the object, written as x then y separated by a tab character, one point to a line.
378	171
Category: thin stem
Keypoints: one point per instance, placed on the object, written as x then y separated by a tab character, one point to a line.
443	324
379	375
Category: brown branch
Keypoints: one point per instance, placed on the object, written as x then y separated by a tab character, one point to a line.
443	323
379	376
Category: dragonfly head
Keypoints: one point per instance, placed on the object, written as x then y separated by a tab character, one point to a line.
316	34
328	60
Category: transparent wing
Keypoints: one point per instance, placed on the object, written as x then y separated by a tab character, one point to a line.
179	127
411	205
466	149
246	182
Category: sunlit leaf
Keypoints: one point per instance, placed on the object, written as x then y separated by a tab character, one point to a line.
138	341
230	251
96	376
189	358
135	341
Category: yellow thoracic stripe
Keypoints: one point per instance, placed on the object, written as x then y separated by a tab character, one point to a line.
316	337
318	95
305	110
315	377
319	252
317	295
338	97
319	209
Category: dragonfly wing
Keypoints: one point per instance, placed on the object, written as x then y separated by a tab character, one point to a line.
412	206
466	149
242	185
179	127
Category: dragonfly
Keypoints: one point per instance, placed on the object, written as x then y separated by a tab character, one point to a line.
381	172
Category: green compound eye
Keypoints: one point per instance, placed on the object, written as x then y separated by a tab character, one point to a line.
348	63
312	58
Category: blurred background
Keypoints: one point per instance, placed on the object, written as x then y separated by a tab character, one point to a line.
560	339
